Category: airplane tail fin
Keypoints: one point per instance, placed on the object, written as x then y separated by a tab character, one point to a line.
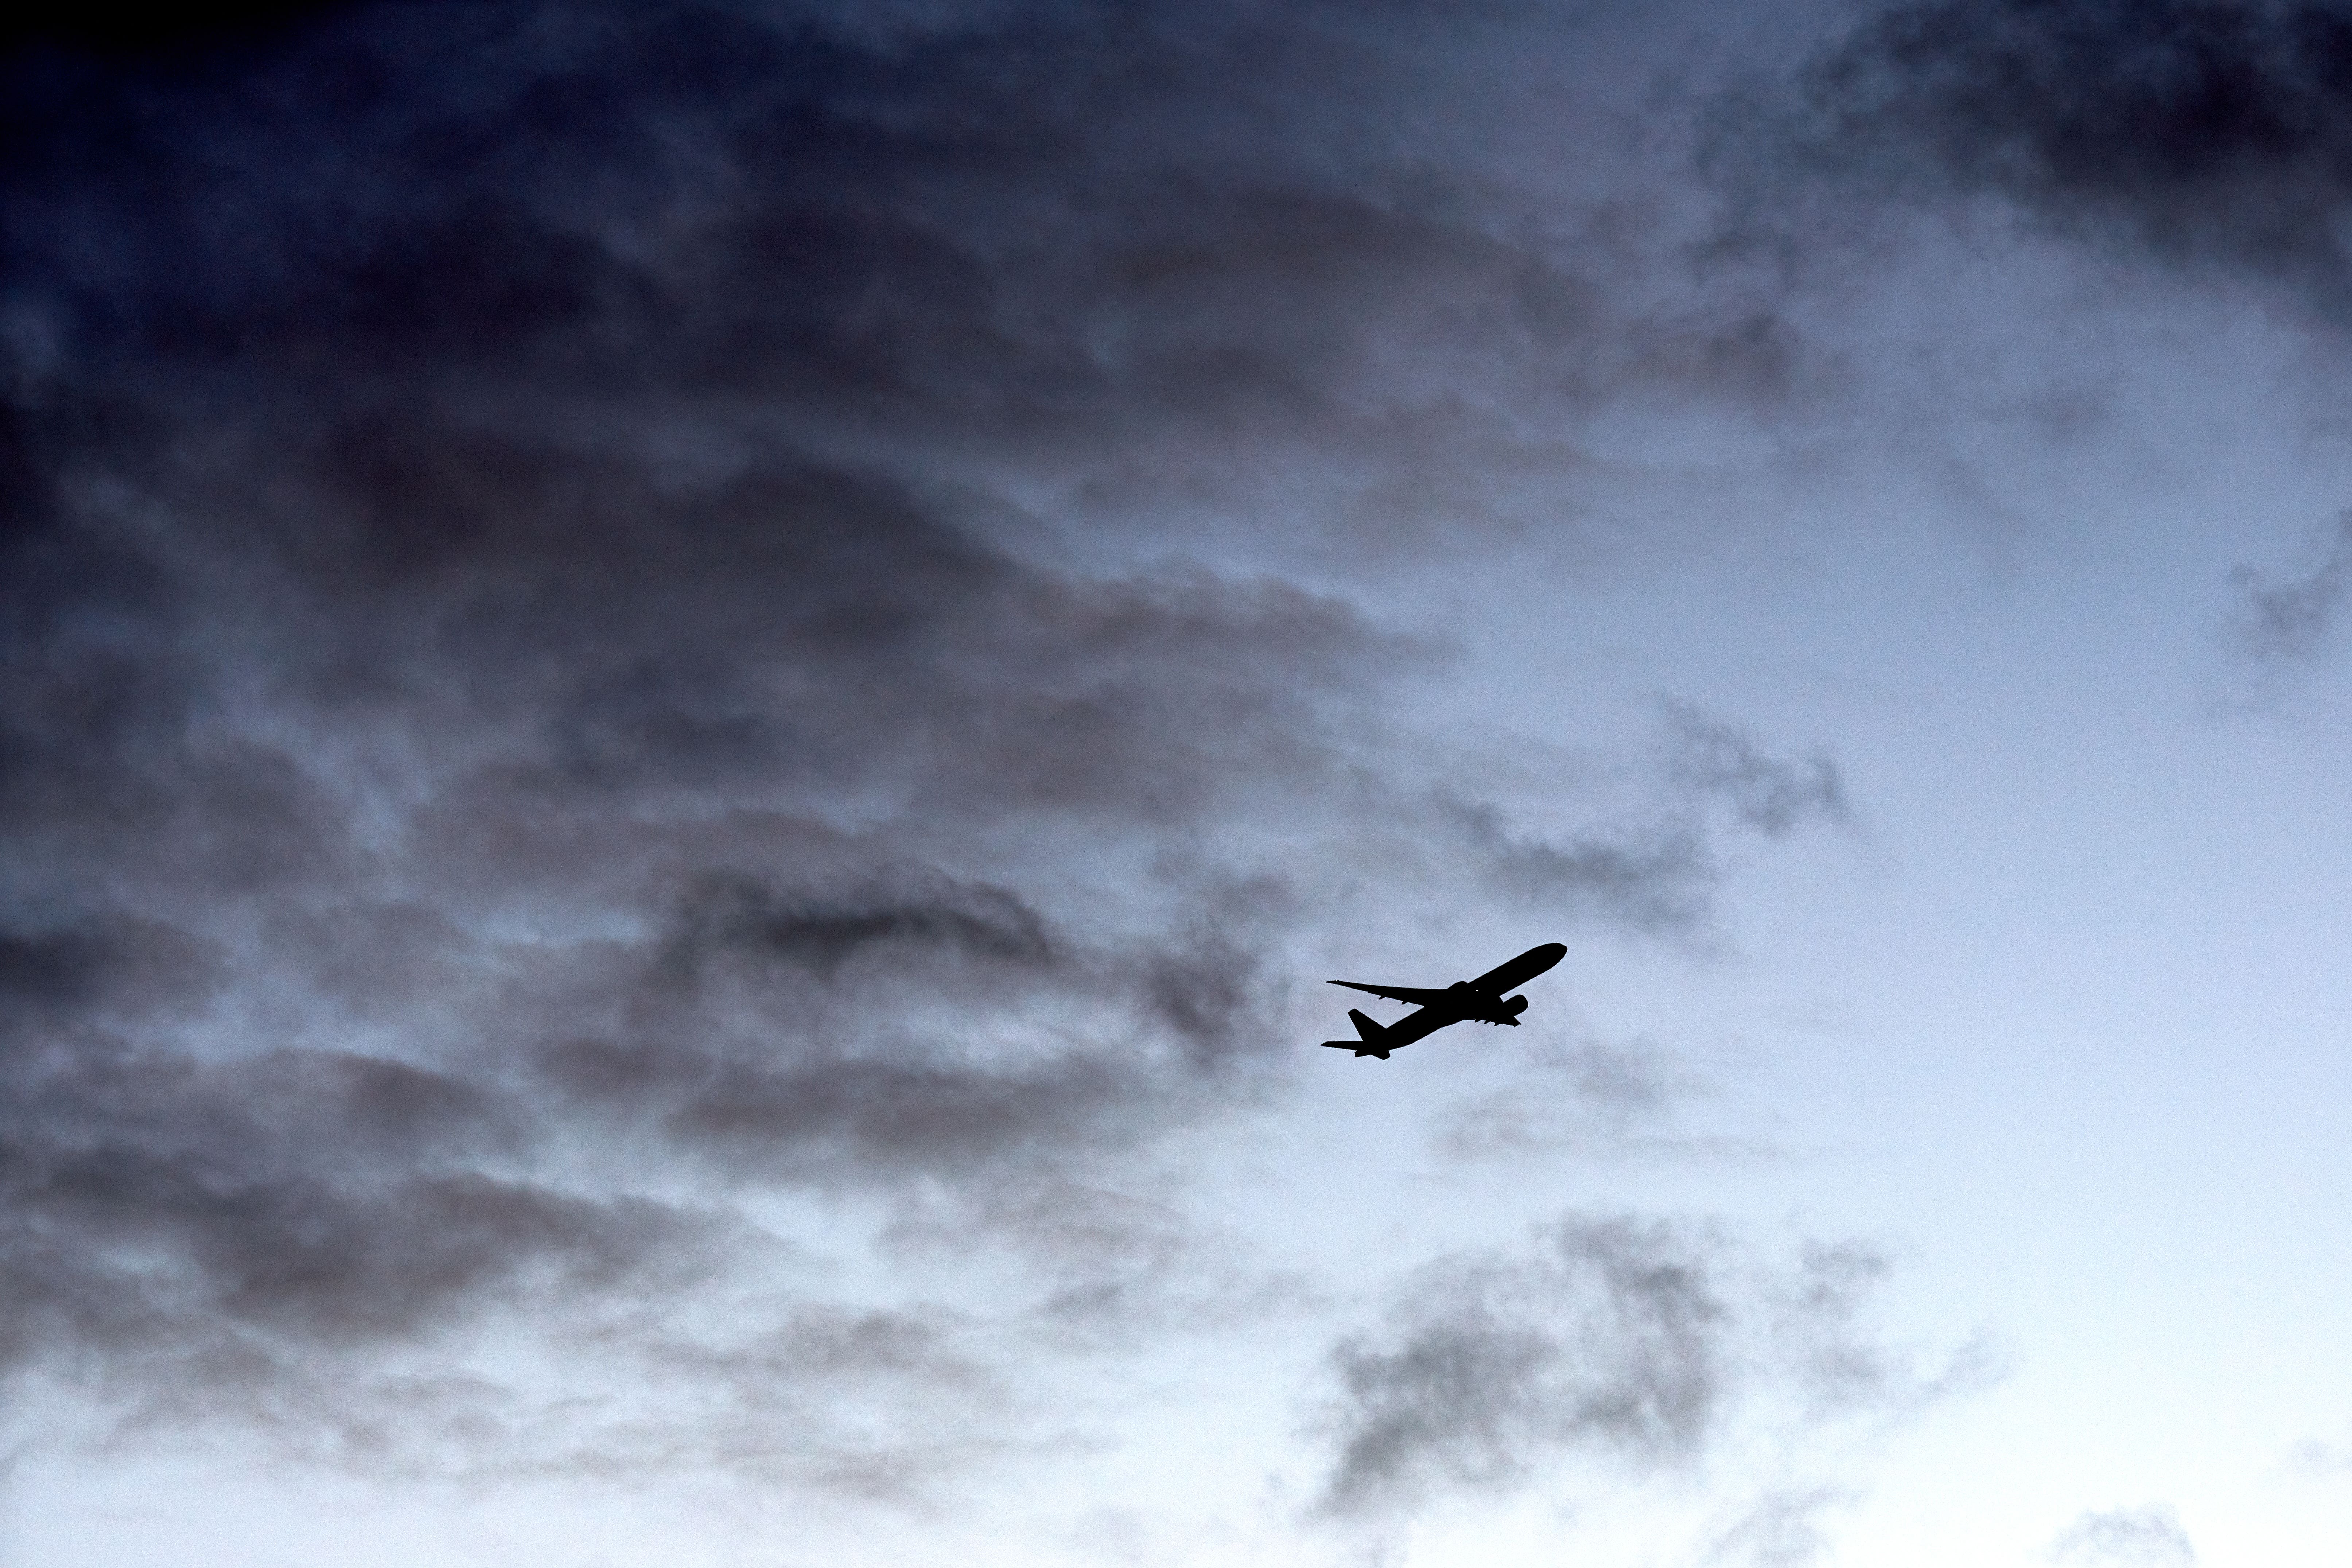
1369	1040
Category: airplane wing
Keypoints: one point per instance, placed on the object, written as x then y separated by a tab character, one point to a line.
1417	996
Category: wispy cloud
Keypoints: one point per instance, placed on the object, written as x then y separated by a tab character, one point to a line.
2150	1537
1623	1344
1613	1102
2291	623
1769	794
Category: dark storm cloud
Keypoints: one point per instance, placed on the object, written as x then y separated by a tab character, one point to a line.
1632	1344
132	30
487	575
2210	136
988	227
529	678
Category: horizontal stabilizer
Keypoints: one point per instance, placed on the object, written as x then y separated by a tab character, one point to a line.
1358	1047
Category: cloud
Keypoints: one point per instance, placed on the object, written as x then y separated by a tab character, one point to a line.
1781	1530
1769	795
872	1404
134	34
2291	622
1493	1367
2151	1536
175	1222
2206	136
1655	872
519	721
1591	1099
1629	1345
588	642
1656	877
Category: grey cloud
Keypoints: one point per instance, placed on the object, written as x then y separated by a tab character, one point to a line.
847	1119
2205	135
1624	1342
521	692
1108	1270
1001	226
1611	1342
183	1217
895	1405
206	1201
826	1396
1657	874
1209	986
1604	1101
1657	878
2150	1537
978	925
812	1040
1591	1096
585	696
1771	794
2292	622
134	966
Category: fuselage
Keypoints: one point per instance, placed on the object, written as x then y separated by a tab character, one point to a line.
1521	969
1484	999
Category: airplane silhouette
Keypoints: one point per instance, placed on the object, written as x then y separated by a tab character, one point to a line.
1481	999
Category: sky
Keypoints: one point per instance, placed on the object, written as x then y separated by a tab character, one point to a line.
694	696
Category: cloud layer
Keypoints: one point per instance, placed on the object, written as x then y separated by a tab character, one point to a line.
1630	1345
600	628
2212	138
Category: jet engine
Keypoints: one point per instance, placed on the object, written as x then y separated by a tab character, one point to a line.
1514	1005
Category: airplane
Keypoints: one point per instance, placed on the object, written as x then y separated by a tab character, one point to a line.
1481	999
